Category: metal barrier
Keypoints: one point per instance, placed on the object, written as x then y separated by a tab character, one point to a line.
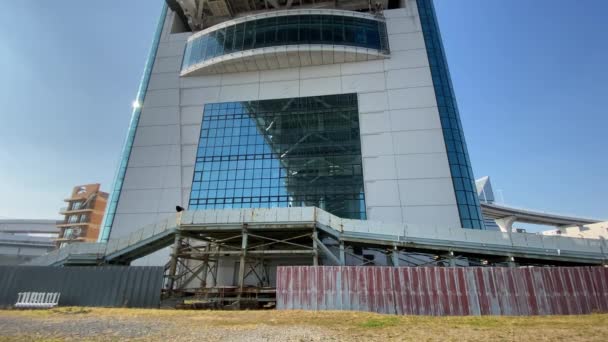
37	300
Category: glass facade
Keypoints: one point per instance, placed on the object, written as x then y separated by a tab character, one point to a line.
458	156
281	153
287	30
108	218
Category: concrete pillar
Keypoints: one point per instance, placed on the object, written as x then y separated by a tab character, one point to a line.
511	261
395	257
342	254
452	259
506	224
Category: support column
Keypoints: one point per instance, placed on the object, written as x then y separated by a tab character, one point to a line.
315	249
217	266
205	269
452	259
242	261
506	224
342	254
511	261
242	265
173	264
395	256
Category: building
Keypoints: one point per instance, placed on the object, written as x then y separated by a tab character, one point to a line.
319	104
308	133
24	240
82	215
485	193
588	231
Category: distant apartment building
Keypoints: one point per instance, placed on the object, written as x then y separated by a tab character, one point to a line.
82	215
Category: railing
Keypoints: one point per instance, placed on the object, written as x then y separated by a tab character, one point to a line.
136	237
374	232
96	250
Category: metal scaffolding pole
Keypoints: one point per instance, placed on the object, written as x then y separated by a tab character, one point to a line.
205	267
173	264
242	263
217	266
315	248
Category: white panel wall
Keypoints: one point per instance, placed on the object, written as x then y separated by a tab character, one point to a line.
407	178
406	171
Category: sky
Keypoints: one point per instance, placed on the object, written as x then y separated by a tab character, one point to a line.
529	76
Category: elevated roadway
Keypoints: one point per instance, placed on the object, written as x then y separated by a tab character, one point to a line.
505	216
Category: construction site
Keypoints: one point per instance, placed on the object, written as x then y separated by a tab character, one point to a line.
303	155
306	258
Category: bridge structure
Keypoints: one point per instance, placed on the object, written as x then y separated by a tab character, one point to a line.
506	216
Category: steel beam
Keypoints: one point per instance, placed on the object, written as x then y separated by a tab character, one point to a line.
326	250
315	248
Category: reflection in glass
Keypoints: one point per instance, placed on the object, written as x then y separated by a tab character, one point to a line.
287	30
281	153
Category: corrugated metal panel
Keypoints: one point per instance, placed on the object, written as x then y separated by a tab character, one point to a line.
441	291
119	286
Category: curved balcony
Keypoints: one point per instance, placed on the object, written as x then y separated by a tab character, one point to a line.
283	39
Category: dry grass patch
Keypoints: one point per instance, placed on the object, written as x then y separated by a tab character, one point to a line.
302	326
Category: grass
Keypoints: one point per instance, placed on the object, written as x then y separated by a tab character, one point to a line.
332	325
380	322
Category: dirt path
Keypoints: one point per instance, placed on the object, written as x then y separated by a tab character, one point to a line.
83	324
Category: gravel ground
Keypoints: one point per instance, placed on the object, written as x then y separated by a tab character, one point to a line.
96	324
79	328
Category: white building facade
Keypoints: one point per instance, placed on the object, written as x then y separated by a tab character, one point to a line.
349	110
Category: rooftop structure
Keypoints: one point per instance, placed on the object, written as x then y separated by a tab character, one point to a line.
21	240
196	15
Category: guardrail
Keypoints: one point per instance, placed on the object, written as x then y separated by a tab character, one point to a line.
557	247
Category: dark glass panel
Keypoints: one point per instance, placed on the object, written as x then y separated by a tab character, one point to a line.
287	30
288	152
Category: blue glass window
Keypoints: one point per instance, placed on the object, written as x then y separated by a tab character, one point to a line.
287	30
458	155
281	153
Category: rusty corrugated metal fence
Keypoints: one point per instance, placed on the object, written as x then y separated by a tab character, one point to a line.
118	286
443	291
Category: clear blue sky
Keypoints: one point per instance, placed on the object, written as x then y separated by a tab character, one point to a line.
530	78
